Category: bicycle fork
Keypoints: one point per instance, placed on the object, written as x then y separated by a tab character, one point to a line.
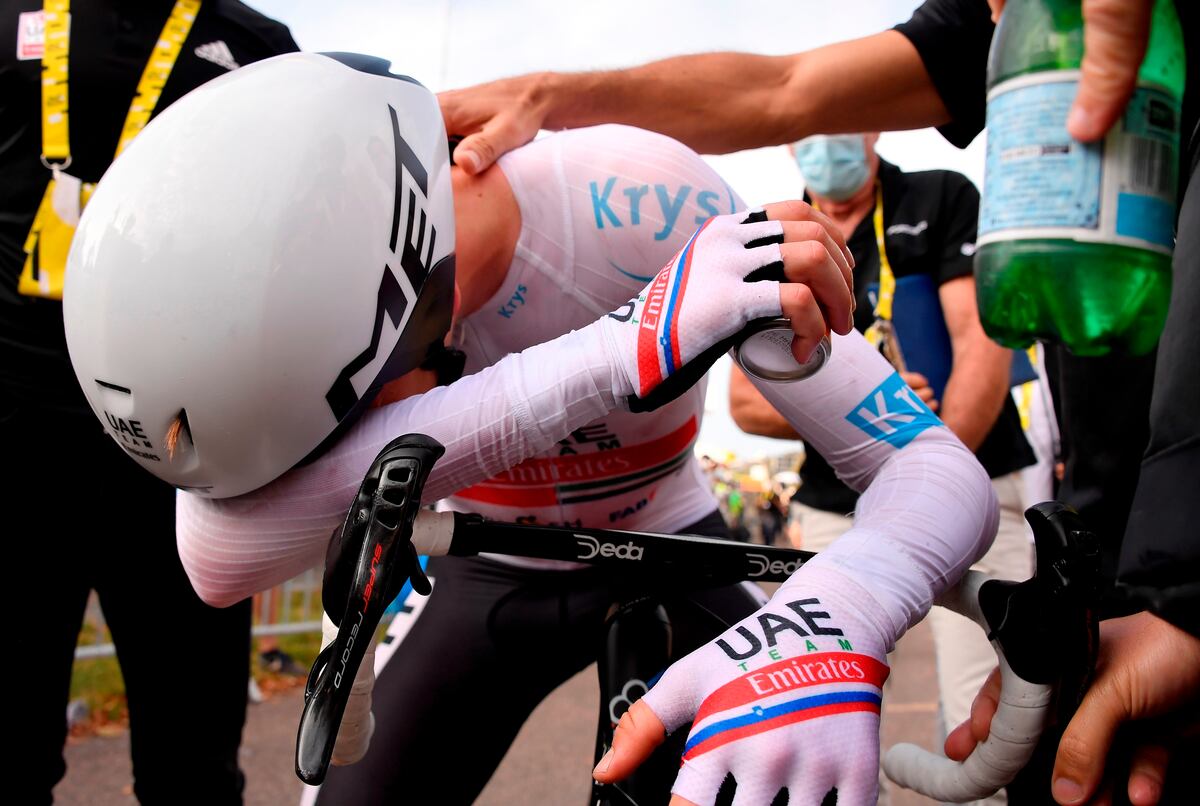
636	650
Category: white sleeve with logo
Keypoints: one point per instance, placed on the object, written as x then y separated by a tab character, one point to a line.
786	703
927	510
604	207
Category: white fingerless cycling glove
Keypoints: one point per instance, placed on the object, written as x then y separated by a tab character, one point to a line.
704	295
788	698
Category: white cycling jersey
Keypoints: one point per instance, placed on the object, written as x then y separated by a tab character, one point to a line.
601	210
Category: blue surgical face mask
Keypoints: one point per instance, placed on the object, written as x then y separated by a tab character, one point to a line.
834	167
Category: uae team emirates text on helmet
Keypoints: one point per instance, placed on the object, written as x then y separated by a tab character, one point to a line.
271	250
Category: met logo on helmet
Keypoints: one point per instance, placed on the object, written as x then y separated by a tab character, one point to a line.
415	259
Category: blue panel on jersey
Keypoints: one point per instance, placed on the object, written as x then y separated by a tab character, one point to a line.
892	413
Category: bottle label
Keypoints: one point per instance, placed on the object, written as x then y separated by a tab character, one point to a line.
1041	183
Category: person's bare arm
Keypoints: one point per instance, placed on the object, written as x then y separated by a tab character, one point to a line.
713	102
978	382
751	411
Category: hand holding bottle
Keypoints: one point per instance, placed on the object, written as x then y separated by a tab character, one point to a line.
1115	34
1075	237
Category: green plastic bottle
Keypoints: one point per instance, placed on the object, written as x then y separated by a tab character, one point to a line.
1075	239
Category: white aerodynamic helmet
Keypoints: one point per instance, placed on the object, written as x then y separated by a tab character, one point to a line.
269	252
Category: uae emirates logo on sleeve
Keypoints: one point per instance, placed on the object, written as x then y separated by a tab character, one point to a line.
218	53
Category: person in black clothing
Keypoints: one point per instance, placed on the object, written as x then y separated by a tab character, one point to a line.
931	71
83	516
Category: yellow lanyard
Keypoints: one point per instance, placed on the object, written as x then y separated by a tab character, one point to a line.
49	238
55	134
55	141
887	280
158	70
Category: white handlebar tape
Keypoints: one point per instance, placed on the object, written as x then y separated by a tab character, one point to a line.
432	532
1021	716
358	723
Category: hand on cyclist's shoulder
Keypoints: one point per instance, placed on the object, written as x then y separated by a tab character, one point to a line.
787	699
493	118
787	259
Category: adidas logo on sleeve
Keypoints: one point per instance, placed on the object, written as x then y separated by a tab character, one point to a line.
218	53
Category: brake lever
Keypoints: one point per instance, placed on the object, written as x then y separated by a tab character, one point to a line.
368	561
1046	633
1049	625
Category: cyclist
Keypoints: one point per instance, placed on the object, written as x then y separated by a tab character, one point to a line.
273	332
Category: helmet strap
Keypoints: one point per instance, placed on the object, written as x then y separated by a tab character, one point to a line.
447	363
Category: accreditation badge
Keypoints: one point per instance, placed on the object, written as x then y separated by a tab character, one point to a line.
31	35
49	239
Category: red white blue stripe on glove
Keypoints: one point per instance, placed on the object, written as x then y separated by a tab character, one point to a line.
786	259
784	693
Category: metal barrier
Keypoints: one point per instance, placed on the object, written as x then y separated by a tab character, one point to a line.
293	607
287	618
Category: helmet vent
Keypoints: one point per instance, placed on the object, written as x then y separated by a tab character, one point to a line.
178	427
